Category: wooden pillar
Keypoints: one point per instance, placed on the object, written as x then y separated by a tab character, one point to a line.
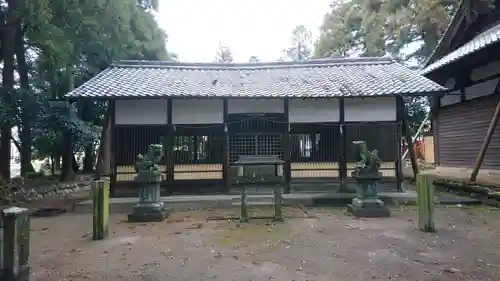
225	147
398	163
287	167
113	154
168	149
342	147
486	142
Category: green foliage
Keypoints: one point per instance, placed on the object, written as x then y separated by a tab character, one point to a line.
409	30
380	27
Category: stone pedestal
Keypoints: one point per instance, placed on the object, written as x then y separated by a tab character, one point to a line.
367	204
244	205
368	208
149	208
278	204
16	245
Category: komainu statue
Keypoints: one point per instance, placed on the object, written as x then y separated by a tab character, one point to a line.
367	174
148	180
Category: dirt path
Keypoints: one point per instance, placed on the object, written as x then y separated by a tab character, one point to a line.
326	246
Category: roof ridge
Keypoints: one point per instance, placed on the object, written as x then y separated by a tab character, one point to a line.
259	65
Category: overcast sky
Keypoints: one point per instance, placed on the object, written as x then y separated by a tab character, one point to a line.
259	28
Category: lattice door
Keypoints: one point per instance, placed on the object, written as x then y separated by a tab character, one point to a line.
255	144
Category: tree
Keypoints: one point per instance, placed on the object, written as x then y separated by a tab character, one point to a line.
55	46
253	59
223	55
380	27
386	27
300	48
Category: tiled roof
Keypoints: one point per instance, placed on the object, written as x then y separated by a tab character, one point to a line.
479	42
315	78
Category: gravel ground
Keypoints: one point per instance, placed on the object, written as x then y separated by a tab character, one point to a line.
324	244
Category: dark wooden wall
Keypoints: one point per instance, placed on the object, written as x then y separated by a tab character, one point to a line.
460	131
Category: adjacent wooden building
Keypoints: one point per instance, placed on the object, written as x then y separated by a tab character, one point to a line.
467	61
208	115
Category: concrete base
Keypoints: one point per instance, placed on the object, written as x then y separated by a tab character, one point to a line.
154	212
369	211
186	203
24	274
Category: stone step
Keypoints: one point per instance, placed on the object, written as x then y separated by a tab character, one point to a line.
259	203
256	198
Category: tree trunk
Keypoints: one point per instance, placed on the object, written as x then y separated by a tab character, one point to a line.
88	160
25	135
86	116
103	166
53	165
8	44
57	162
74	164
67	173
18	147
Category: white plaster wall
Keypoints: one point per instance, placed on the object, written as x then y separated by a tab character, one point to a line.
314	110
141	112
197	111
370	109
255	106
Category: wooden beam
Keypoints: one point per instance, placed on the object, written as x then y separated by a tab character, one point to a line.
169	148
486	143
342	147
398	164
287	167
225	148
113	152
435	129
472	83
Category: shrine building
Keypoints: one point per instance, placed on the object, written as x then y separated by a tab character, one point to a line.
209	115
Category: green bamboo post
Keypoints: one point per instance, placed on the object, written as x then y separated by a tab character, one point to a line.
16	244
426	204
244	205
100	201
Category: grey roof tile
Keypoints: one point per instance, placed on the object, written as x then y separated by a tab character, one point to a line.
481	41
315	78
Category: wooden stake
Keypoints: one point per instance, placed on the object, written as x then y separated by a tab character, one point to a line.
100	204
426	204
486	143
